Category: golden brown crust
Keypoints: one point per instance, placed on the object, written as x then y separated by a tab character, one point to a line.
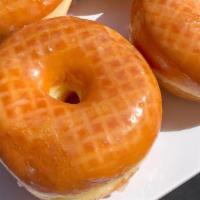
17	14
169	43
56	147
98	192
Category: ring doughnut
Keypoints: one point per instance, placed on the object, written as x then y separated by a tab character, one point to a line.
21	12
80	108
167	33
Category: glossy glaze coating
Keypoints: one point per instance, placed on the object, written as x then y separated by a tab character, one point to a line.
167	32
59	147
17	13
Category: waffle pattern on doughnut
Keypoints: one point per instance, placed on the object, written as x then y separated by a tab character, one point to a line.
173	29
16	13
59	147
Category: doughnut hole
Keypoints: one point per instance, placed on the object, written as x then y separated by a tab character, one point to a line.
65	94
67	76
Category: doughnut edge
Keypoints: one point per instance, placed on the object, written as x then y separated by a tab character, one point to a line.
175	88
95	193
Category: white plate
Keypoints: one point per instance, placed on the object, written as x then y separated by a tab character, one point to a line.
175	156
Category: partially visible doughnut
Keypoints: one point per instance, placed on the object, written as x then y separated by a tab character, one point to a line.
79	106
168	33
15	14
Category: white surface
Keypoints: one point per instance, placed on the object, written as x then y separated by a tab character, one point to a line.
174	158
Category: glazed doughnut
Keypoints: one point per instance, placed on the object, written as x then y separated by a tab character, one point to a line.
167	33
80	108
18	13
